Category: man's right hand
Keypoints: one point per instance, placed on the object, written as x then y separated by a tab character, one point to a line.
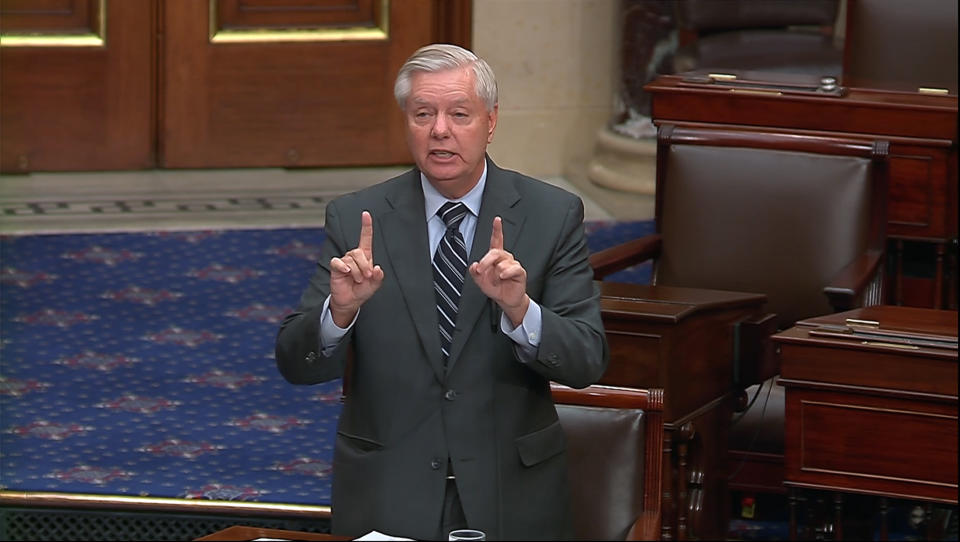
354	277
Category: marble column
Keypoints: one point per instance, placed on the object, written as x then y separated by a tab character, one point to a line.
625	151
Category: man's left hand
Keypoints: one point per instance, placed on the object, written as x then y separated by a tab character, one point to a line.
501	277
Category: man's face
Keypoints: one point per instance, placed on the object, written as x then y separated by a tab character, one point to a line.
448	129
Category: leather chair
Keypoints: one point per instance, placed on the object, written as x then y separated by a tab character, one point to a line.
795	36
800	218
875	55
615	453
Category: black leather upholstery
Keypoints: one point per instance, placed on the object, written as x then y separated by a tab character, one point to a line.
614	444
782	223
876	37
793	36
605	453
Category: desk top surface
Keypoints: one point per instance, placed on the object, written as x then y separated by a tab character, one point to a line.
669	304
911	330
923	320
796	85
898	351
244	532
772	100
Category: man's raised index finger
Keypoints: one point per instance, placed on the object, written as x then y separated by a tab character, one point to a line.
496	236
366	233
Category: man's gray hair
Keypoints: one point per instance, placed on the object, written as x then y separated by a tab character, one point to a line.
439	57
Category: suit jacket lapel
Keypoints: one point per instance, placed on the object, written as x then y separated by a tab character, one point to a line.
500	198
404	232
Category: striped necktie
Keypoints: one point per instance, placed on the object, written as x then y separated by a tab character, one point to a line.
449	266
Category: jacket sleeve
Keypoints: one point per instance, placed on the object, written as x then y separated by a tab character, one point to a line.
573	348
297	348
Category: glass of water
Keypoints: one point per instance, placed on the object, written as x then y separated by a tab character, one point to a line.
467	534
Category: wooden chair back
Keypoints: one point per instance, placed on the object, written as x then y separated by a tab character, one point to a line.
615	455
762	211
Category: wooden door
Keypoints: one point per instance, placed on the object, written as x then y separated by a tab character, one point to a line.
291	83
133	84
77	85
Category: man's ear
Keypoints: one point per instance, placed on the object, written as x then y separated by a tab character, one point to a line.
492	120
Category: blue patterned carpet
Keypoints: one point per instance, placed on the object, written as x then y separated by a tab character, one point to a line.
141	364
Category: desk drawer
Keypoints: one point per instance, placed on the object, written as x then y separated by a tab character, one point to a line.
880	367
871	444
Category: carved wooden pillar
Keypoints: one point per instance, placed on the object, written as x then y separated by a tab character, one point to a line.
838	516
686	435
668	507
792	505
884	510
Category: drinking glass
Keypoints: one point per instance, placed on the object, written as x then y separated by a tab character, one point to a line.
467	534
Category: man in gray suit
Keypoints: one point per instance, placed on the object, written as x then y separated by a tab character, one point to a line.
448	420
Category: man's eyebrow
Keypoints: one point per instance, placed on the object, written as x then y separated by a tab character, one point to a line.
456	101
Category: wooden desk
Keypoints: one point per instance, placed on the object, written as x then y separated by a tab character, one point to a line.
243	532
921	129
683	340
868	416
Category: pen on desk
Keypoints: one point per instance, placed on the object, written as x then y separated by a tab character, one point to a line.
891	345
862	322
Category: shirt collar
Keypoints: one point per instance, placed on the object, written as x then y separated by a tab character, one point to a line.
433	199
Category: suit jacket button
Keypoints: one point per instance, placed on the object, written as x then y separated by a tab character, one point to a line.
435	464
450	395
311	357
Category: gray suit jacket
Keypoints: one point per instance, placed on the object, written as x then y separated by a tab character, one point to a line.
490	414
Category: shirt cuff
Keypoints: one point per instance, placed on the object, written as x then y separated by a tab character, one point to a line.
526	336
330	332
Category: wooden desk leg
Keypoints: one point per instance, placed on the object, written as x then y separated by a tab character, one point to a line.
668	517
938	281
951	276
792	504
898	272
683	497
838	516
812	504
884	510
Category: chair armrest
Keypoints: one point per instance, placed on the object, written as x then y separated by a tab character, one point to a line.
622	256
857	283
646	527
